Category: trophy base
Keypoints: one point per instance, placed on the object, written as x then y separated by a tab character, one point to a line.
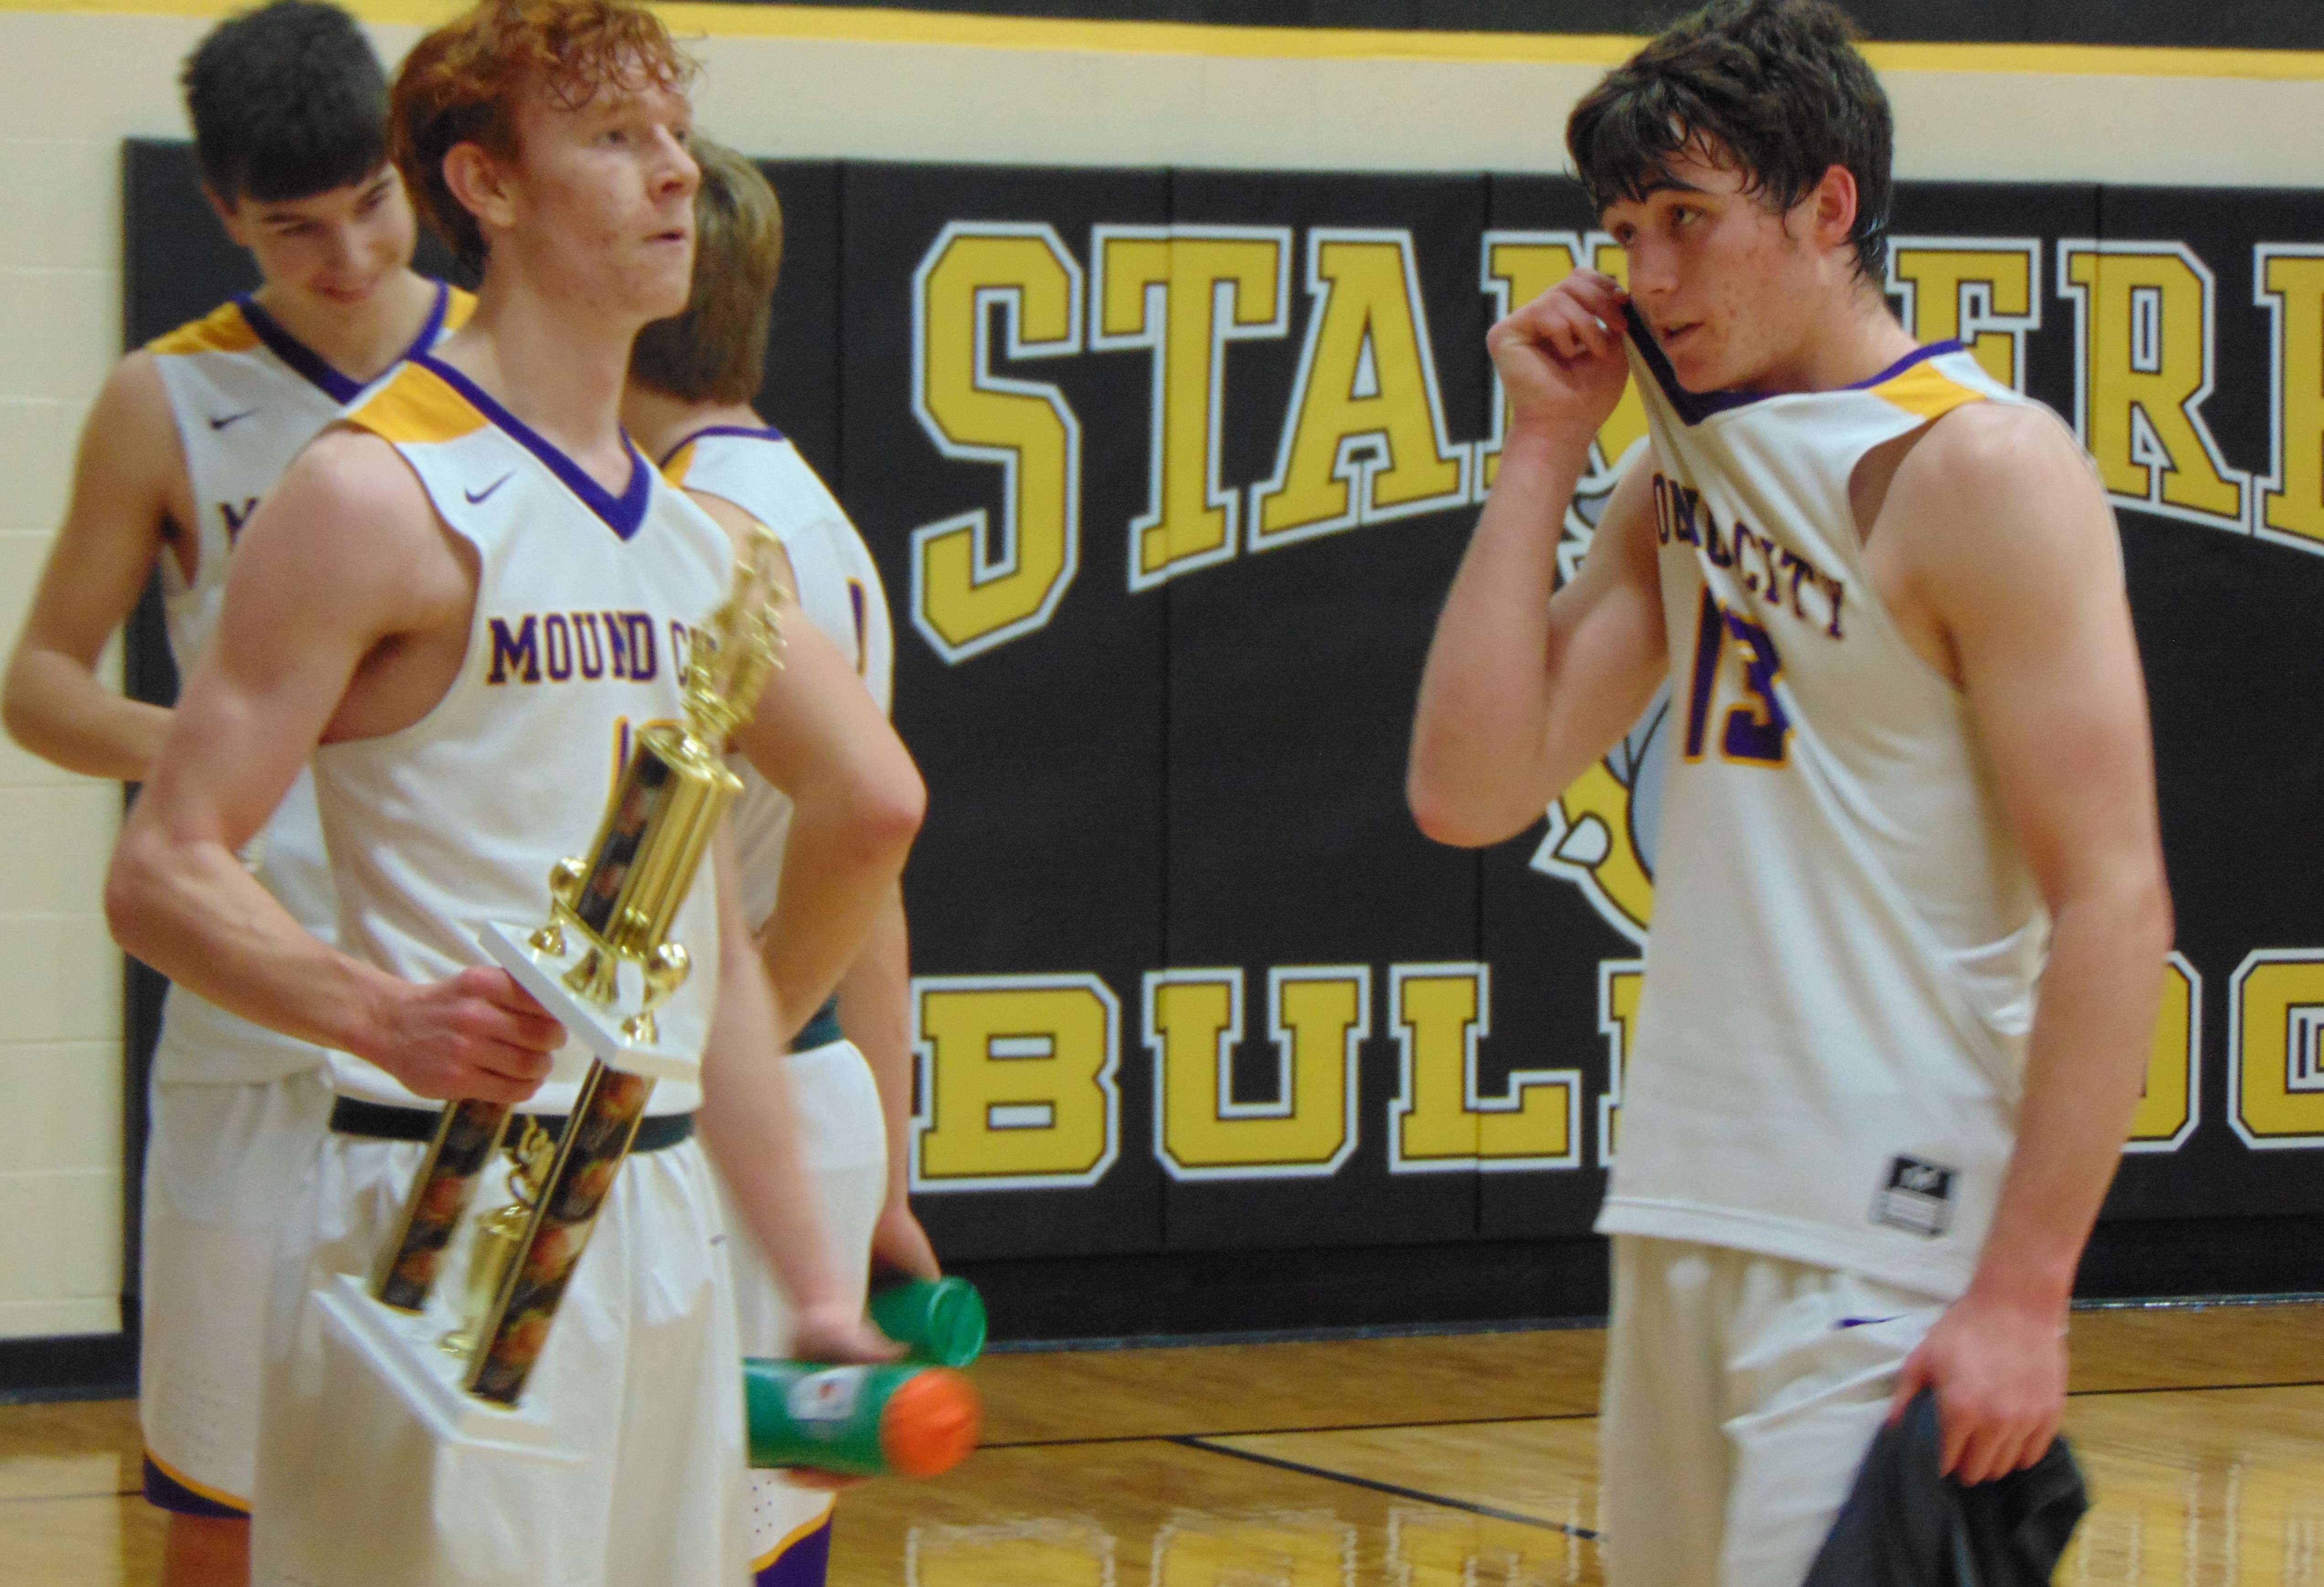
400	1351
596	1030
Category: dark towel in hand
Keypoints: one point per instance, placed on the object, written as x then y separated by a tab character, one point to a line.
1904	1526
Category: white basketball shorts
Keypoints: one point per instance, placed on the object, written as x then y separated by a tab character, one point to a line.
1741	1393
847	1152
641	1380
222	1161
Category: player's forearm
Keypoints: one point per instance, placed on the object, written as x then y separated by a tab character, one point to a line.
1485	692
58	708
841	860
875	1011
192	912
2085	1067
750	1126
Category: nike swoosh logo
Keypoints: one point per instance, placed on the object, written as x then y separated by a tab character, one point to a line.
476	497
232	418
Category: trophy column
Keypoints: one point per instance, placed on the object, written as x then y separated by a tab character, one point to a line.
464	1144
602	964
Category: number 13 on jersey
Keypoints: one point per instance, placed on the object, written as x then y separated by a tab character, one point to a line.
1756	731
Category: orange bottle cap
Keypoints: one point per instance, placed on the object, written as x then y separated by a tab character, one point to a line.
930	1423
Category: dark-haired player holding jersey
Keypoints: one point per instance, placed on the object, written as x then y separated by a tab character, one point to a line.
288	109
1858	1157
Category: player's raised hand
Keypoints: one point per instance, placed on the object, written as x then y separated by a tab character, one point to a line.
1559	357
477	1035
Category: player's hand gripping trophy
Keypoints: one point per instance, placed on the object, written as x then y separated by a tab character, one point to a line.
607	912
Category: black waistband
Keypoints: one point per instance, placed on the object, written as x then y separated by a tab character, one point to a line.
820	1031
383	1122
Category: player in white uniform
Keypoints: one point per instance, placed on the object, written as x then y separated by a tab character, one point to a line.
459	604
1857	1159
691	379
288	107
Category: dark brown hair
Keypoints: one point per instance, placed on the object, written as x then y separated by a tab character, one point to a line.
716	350
462	83
1775	89
287	101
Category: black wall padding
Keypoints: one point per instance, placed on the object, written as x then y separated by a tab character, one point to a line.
1202	774
2237	25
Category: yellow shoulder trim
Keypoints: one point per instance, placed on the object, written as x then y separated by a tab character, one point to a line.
674	468
1926	391
222	330
417	407
458	307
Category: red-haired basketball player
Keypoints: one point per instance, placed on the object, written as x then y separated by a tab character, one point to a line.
1857	1158
288	109
459	603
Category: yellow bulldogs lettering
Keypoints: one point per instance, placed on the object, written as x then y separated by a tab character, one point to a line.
965	600
1018	1087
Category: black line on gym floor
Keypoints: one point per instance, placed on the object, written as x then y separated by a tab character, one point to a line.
1270	1432
2193	1388
60	1498
1549	1416
1492	1512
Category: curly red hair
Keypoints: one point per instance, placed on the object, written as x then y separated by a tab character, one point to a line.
462	84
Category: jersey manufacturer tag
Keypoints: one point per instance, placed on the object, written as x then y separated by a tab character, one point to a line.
1918	1197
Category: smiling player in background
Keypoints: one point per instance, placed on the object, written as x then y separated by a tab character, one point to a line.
288	109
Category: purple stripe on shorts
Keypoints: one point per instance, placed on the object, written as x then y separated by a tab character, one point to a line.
803	1564
163	1491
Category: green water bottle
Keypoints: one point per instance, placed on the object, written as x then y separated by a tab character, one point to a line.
940	1321
864	1421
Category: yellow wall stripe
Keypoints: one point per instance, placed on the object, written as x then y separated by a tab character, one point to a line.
2101	60
866	25
1144	38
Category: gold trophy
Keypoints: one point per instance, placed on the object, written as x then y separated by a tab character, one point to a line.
602	964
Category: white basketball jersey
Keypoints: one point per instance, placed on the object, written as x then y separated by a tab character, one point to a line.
246	396
1840	976
584	603
839	590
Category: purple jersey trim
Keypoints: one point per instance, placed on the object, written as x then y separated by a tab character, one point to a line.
1905	362
804	1563
312	366
1694	407
163	1491
623	514
766	433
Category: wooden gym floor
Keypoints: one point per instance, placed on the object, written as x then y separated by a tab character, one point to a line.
1443	1461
